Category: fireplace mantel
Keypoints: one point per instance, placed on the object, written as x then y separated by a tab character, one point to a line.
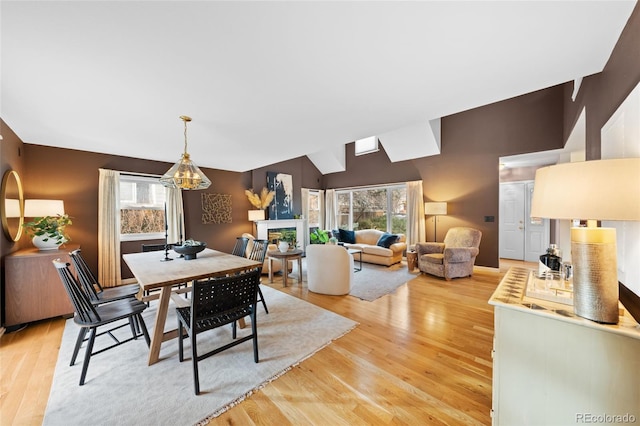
300	225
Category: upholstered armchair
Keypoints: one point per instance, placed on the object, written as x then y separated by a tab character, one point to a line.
452	258
329	269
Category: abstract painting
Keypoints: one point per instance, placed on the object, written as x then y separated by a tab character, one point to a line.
282	184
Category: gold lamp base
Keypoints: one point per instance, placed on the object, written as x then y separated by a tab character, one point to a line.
595	277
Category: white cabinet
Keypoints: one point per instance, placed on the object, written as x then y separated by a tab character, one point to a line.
551	367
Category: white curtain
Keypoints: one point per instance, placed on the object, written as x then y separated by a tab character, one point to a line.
331	220
304	197
415	213
175	216
109	228
321	207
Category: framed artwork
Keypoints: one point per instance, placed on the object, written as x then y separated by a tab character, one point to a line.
282	206
216	208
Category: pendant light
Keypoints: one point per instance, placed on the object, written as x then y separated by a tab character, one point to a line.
185	174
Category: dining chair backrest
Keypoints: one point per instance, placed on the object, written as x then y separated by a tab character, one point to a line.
241	246
258	250
88	281
81	303
221	298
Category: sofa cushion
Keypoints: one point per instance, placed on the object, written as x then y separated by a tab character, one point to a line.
347	236
386	240
435	258
377	250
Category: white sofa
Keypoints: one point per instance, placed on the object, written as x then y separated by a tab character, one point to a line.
329	269
367	240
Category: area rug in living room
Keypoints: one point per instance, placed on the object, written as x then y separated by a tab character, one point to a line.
375	281
121	389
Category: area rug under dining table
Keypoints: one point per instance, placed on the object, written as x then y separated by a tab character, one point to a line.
121	389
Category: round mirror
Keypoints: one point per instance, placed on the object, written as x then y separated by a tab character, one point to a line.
13	205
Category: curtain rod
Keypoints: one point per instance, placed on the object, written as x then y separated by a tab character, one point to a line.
138	174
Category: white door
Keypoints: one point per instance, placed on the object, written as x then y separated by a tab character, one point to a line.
512	207
521	237
536	230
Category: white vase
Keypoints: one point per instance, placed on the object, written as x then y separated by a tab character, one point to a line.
50	244
283	246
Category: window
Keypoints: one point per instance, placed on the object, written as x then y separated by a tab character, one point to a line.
377	207
314	209
142	203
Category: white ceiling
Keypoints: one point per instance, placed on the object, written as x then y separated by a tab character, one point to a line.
270	81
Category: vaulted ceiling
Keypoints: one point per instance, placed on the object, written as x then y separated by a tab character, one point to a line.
269	81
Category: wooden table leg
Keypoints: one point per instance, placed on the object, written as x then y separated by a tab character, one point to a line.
158	329
285	271
300	270
270	269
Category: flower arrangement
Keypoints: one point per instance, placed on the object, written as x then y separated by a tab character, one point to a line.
262	200
49	227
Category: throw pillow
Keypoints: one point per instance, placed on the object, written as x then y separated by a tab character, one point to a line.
387	239
347	236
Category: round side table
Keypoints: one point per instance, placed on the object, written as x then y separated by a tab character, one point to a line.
285	257
412	260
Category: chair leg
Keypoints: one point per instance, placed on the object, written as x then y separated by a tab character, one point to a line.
262	300
133	326
81	335
180	345
254	331
143	327
87	356
194	360
234	329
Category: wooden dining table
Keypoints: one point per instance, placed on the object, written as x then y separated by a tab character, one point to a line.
152	272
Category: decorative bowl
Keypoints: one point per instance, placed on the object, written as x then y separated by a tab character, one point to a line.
190	251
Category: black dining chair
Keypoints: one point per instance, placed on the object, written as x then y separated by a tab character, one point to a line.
216	302
92	288
241	246
258	253
89	317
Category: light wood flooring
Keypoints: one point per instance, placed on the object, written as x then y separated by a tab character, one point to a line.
419	356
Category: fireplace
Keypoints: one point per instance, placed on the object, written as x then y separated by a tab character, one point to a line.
300	226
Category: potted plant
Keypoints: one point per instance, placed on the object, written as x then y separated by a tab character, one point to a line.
48	232
319	236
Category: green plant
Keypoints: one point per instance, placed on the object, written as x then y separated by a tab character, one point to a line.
290	237
49	227
319	236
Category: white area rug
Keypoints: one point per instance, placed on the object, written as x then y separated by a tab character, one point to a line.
375	281
120	388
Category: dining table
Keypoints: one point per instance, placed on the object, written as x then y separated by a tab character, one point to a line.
153	272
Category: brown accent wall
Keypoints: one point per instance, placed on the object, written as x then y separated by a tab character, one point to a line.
601	94
11	158
72	176
466	173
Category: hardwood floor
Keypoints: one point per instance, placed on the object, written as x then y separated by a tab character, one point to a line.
419	356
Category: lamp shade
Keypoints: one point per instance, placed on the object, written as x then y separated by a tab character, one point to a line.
435	209
42	208
12	207
597	190
255	215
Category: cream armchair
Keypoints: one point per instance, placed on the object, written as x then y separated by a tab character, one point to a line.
329	269
452	258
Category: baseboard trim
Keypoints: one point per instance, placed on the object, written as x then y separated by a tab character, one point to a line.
485	269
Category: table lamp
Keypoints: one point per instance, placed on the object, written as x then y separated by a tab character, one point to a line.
592	190
43	208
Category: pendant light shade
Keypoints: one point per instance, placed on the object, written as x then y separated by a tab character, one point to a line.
185	174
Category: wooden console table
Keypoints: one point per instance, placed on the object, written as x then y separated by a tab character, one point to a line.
33	290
